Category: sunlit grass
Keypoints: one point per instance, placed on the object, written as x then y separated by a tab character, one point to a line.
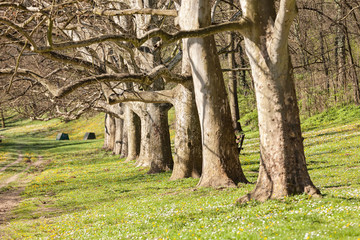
86	193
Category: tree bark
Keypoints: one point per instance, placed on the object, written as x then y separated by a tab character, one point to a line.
161	157
187	154
132	124
111	131
119	128
106	132
125	142
355	81
221	165
232	89
283	169
188	149
232	85
340	55
155	141
3	125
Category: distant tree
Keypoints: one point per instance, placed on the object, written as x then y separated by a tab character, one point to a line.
3	125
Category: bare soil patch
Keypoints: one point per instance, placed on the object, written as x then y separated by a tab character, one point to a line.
9	199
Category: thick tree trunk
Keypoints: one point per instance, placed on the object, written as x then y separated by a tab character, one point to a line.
155	149
125	142
188	149
119	128
161	158
144	159
132	123
283	169
155	142
188	154
112	131
221	165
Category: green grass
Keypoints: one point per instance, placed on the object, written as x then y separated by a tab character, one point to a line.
85	193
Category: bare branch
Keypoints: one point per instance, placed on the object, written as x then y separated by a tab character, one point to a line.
164	96
60	57
19	6
351	10
167	38
19	29
147	11
235	69
140	78
160	71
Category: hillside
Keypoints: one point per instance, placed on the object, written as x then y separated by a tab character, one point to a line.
83	192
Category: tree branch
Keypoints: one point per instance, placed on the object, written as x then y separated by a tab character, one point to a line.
164	96
19	6
146	79
59	57
284	18
18	29
147	11
167	38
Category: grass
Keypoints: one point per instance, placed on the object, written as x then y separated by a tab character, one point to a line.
85	193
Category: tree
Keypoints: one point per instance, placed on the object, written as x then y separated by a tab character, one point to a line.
283	169
221	166
3	125
282	166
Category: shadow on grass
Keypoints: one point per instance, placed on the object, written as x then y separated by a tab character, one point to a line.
333	150
325	167
42	145
340	138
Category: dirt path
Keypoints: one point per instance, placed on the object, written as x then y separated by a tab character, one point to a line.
18	160
10	199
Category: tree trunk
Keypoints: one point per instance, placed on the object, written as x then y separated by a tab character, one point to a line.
233	96
340	55
355	81
244	83
187	149
232	85
125	143
188	154
283	169
106	132
118	136
112	131
144	159
325	63
161	157
221	165
3	125
132	123
157	152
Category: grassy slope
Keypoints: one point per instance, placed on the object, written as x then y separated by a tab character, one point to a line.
86	193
